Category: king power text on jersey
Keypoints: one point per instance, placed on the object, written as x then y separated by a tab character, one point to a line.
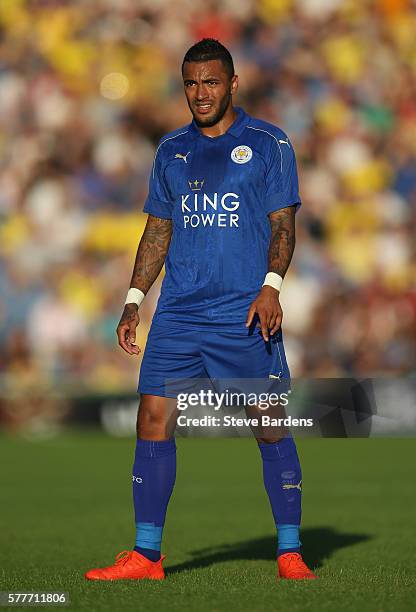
200	209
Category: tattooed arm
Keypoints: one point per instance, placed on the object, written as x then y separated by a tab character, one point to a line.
150	258
151	253
282	245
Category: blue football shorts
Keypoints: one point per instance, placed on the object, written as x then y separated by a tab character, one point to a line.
178	351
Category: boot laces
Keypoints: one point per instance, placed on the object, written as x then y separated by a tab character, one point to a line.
296	562
123	557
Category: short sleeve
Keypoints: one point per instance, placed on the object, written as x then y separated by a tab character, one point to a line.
158	202
282	185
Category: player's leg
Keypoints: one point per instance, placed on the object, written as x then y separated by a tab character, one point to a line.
282	479
246	355
170	353
153	479
154	471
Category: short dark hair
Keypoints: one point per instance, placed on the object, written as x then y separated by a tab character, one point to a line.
210	49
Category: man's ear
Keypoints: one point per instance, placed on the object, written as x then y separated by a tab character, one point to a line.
234	84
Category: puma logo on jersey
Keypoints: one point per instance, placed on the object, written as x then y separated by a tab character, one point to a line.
285	142
180	156
293	486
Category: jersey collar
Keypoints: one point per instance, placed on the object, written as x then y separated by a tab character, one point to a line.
236	129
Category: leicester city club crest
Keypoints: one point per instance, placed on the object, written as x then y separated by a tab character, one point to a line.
241	154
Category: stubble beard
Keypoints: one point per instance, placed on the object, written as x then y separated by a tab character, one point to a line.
210	121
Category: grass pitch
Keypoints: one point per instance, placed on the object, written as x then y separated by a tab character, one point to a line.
66	507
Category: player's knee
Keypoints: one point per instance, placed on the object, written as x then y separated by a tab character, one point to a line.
151	421
151	430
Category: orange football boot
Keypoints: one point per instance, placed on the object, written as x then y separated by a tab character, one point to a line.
129	565
292	567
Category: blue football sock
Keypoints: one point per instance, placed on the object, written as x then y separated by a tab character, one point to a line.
283	482
154	473
288	538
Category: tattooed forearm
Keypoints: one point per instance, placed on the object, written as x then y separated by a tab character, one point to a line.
151	253
282	242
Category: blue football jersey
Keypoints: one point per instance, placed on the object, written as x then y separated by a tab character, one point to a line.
219	192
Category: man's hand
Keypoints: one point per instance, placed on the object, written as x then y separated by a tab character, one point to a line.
268	308
126	329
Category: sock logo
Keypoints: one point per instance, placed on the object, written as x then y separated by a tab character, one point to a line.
288	475
293	486
137	479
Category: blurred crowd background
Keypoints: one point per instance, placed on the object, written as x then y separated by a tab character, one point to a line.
87	87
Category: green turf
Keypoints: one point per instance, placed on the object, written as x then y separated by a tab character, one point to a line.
66	507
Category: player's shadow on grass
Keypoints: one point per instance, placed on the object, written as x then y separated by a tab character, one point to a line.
318	543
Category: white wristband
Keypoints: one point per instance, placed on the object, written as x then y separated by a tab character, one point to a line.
134	296
274	280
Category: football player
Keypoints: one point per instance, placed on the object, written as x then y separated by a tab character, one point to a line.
222	200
